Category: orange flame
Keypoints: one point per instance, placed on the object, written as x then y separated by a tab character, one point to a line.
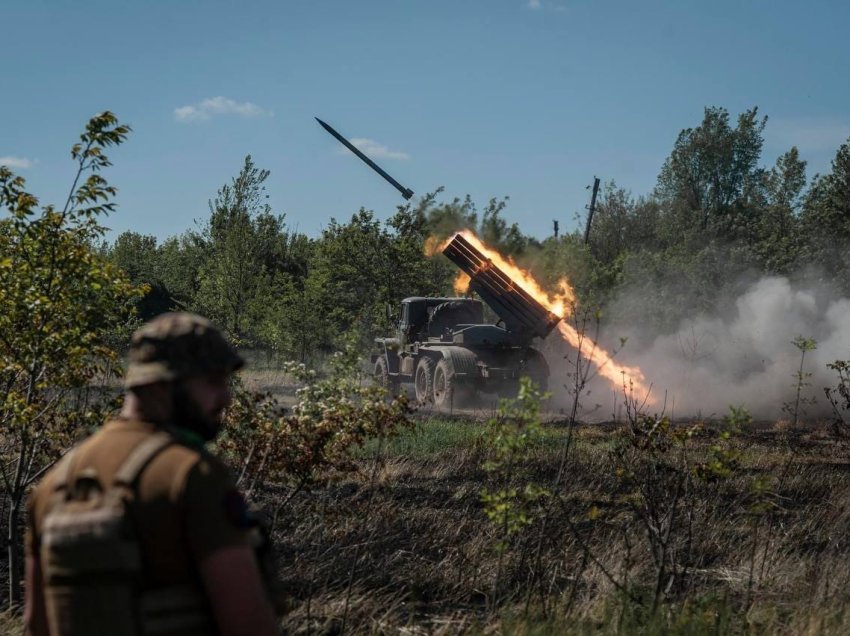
461	284
621	377
433	246
559	303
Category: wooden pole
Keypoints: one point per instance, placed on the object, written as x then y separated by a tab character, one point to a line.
591	209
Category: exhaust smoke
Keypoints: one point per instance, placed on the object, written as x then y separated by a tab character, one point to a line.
744	358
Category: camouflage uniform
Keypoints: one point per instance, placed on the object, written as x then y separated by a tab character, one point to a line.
185	504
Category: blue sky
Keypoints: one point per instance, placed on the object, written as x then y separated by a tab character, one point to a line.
523	98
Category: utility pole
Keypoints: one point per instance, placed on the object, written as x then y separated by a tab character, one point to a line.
591	209
555	222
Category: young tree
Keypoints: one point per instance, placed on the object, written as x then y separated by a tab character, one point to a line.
59	301
360	267
495	231
611	232
179	260
239	240
353	278
138	256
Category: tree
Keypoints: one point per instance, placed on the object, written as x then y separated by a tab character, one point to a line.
59	301
447	218
825	219
711	169
359	268
495	231
786	180
240	243
776	242
611	232
293	326
179	260
290	325
444	219
568	257
409	240
352	277
138	256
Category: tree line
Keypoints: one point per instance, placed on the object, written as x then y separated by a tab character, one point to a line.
716	218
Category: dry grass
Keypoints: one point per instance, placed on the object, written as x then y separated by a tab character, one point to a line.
411	550
11	623
404	546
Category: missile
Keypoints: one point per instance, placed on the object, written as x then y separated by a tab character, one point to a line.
405	192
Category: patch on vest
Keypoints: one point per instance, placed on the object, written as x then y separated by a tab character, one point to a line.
237	511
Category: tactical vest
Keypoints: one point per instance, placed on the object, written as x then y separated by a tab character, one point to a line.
91	558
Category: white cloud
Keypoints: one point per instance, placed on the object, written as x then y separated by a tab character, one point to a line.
549	7
16	162
375	150
808	134
207	109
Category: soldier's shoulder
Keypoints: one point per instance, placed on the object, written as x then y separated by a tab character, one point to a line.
40	496
183	468
210	468
43	488
51	477
179	457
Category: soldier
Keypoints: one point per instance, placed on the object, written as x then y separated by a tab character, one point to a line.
139	529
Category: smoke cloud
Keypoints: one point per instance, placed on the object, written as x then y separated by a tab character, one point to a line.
743	358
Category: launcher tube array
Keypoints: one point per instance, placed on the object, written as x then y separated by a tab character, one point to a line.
516	307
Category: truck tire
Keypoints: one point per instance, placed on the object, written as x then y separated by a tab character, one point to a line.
444	385
449	393
383	378
423	381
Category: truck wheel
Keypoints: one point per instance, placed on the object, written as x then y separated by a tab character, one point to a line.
383	378
448	392
424	381
444	385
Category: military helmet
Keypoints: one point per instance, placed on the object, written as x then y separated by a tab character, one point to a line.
178	345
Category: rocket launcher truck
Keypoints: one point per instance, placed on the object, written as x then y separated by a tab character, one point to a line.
446	350
444	347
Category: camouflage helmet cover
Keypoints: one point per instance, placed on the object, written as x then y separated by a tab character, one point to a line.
178	345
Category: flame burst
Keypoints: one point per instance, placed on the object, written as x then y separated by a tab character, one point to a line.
559	303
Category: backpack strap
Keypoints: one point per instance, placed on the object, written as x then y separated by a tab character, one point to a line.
139	457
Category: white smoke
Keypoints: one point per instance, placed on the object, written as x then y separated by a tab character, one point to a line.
747	358
744	357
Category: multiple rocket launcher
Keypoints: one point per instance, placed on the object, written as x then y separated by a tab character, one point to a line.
524	317
521	313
